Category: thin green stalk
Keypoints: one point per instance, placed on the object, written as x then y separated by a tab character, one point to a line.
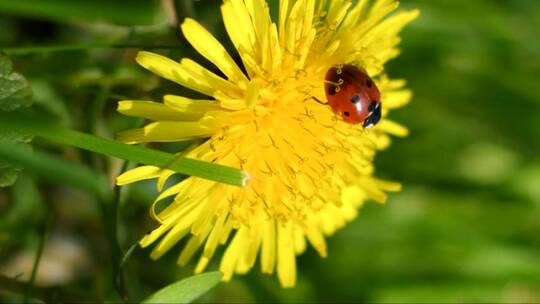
24	50
39	253
124	12
119	275
109	216
109	208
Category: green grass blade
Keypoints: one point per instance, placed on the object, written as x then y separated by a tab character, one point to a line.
38	127
23	50
52	168
187	290
119	11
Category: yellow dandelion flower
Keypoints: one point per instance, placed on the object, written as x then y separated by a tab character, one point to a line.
309	171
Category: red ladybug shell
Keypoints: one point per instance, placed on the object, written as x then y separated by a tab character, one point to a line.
353	95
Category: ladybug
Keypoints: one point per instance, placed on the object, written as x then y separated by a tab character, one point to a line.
353	95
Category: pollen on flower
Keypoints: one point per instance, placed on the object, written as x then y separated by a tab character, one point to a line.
308	170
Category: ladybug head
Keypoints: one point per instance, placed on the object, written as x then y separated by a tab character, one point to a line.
374	115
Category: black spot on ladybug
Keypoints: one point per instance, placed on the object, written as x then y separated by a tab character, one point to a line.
346	113
332	91
355	99
369	84
372	106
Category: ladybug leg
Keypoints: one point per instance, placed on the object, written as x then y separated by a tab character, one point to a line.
337	85
339	69
317	100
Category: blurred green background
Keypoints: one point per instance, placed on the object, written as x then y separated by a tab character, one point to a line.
466	227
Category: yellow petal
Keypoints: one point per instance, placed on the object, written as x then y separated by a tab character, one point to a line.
393	128
201	265
215	235
397	99
192	108
163	177
387	185
232	255
211	49
254	243
353	16
260	15
152	110
252	94
137	174
151	237
214	81
238	25
283	14
286	263
228	102
173	71
316	239
299	241
165	131
192	246
268	249
171	239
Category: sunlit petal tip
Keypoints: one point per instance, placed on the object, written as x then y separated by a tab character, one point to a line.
137	174
393	128
146	59
124	105
415	13
389	186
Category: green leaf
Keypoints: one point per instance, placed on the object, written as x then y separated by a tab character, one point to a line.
8	172
14	93
38	126
187	290
127	12
14	89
